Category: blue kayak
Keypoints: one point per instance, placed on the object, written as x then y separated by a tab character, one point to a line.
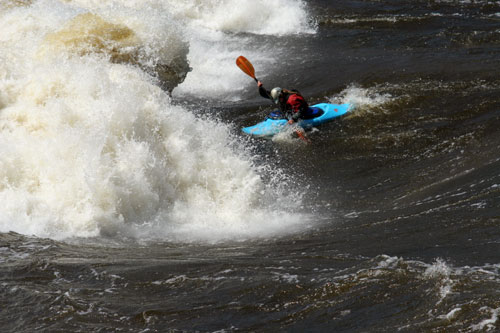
327	112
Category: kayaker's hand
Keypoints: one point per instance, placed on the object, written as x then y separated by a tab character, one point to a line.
259	84
290	122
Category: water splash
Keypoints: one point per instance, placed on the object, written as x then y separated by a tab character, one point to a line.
90	144
361	98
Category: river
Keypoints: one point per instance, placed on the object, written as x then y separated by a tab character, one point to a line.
131	200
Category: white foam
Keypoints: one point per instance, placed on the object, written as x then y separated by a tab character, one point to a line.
214	29
451	315
442	272
438	269
487	324
389	262
277	17
361	97
91	147
289	135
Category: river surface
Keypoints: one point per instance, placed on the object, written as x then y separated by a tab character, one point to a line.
131	201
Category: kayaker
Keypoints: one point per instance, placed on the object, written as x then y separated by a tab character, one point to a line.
290	102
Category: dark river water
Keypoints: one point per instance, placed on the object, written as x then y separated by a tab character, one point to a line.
389	220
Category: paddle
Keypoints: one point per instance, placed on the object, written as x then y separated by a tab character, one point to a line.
246	66
301	133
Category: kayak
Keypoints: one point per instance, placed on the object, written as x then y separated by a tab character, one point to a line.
271	126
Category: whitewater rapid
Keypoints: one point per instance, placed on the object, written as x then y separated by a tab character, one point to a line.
90	143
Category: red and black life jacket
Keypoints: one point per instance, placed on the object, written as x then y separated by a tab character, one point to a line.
296	103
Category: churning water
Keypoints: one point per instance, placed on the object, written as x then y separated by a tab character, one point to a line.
130	200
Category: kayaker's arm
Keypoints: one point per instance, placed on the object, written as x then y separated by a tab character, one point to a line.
263	92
